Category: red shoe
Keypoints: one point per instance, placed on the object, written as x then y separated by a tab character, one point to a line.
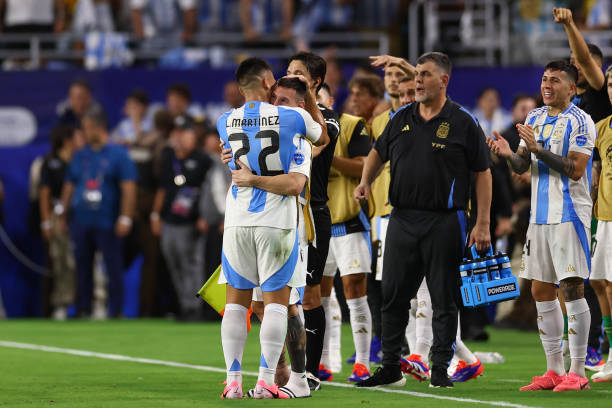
232	391
573	382
547	381
325	374
360	373
414	366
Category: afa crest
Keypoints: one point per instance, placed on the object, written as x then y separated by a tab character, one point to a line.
251	105
443	130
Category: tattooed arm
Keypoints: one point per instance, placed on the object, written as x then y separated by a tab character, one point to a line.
520	160
572	166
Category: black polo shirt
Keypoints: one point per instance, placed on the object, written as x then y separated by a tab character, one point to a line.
431	161
322	163
52	174
594	102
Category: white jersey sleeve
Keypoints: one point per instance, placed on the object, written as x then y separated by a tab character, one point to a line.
313	129
302	158
583	136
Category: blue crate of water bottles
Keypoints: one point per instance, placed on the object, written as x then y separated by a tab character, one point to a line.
487	279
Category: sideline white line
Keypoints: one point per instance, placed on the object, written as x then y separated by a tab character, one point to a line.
118	357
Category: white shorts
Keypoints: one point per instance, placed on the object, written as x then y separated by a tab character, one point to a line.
259	256
351	253
379	231
554	252
601	265
295	298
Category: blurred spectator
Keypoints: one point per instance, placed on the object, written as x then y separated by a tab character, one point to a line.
79	101
100	191
316	14
178	102
261	16
177	204
32	16
1	203
93	15
365	93
334	78
136	123
162	20
64	143
232	99
522	104
491	116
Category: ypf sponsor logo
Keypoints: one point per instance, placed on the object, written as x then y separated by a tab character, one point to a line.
498	290
17	126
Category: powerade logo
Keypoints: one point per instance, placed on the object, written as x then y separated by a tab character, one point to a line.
581	140
498	290
298	158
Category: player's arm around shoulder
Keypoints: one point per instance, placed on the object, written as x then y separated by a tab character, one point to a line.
315	128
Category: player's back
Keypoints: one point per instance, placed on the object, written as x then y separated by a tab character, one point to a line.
269	139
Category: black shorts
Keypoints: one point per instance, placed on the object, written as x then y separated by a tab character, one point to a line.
317	256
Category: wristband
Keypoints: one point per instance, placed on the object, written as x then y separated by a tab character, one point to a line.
154	216
45	225
125	220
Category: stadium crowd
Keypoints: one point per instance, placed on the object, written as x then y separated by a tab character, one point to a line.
156	185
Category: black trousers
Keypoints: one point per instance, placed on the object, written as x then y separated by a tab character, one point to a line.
422	244
317	256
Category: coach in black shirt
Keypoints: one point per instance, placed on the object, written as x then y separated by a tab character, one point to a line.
433	145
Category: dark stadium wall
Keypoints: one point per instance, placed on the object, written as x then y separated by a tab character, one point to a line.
39	93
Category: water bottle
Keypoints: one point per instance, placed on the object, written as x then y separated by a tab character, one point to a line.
493	267
465	271
505	270
480	267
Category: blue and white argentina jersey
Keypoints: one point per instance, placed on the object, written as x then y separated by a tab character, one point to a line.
269	139
556	198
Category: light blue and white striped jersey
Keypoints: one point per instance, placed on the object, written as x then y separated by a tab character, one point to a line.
269	139
556	198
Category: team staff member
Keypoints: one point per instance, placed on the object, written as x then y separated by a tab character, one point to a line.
433	145
100	189
313	68
349	248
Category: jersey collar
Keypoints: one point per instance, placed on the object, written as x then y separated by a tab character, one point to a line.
445	112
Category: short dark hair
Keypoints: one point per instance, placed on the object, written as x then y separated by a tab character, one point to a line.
316	65
521	96
249	69
293	83
564	66
373	84
97	116
140	96
485	90
180	89
81	82
326	87
595	51
441	60
59	135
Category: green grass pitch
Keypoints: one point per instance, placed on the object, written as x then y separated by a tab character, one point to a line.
34	378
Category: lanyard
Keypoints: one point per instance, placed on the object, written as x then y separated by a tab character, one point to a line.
87	167
179	177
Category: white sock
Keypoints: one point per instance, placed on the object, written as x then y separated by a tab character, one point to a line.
411	327
325	301
335	334
550	326
462	352
361	325
578	323
233	338
424	313
272	338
